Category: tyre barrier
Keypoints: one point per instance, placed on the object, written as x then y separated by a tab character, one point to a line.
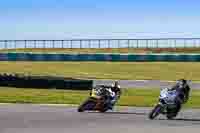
44	82
100	57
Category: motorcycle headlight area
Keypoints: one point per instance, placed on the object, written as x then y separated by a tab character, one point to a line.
98	91
162	96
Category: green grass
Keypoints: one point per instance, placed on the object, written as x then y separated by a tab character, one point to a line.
15	95
130	97
108	70
104	50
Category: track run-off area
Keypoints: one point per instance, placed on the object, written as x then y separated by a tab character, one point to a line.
145	83
29	118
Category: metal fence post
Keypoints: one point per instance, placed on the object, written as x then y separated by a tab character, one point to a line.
25	43
5	42
34	43
62	42
128	43
175	43
71	44
89	43
147	43
157	43
108	43
53	43
15	45
99	42
118	43
137	43
80	43
44	44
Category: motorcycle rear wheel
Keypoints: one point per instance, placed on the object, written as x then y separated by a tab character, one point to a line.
170	116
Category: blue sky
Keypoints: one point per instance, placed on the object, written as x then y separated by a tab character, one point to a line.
66	19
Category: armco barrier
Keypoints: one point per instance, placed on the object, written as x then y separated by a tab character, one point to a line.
99	57
11	80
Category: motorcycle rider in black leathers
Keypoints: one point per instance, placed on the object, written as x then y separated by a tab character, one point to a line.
183	90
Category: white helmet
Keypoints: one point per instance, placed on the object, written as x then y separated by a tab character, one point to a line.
116	84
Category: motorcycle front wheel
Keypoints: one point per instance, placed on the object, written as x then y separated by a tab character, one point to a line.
155	112
89	104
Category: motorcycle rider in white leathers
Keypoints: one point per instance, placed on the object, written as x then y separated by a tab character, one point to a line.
116	89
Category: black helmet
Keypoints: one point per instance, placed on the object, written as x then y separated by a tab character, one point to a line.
181	82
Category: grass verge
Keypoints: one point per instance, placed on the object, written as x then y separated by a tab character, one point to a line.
107	70
131	97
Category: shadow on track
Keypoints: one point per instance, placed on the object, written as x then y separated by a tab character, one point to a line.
183	119
121	113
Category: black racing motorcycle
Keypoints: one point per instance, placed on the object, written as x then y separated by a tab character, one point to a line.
98	99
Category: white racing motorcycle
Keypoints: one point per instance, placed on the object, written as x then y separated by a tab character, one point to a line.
167	104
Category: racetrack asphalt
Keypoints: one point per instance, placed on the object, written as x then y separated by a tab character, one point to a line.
148	84
28	118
